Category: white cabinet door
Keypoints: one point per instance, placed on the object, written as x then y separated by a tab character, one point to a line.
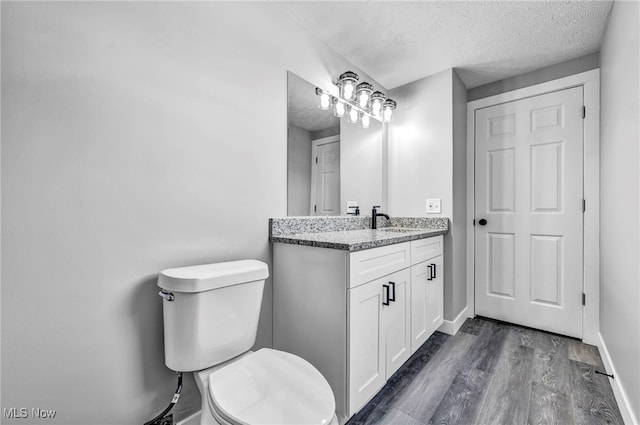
426	300
435	296
396	319
366	367
420	274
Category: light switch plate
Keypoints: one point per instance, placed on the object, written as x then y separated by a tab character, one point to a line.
433	206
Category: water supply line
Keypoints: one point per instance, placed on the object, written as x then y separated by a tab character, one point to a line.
174	401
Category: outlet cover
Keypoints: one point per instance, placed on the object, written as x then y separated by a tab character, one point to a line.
433	206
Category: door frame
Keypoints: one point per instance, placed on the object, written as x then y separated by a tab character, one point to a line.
314	152
590	81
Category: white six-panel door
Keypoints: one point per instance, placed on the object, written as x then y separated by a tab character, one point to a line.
529	189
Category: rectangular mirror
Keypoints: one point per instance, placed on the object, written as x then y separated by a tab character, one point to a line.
330	162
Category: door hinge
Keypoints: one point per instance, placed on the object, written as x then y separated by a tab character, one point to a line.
584	299
584	111
584	205
474	221
316	159
315	208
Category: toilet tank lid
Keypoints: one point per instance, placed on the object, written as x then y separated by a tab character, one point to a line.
212	276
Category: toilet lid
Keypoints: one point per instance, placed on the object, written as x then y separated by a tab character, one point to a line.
271	387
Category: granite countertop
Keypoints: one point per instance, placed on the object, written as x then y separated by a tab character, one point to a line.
357	240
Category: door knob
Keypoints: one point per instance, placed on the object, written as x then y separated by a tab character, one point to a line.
482	222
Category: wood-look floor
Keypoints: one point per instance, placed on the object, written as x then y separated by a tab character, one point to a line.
496	373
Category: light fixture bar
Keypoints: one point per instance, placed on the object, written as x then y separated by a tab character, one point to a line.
350	103
362	99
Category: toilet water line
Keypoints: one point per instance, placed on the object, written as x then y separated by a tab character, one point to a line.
174	401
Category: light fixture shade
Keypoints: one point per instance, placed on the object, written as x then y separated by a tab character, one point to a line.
353	115
347	83
377	100
363	94
365	120
387	110
339	109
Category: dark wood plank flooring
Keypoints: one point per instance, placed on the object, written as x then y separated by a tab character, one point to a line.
493	372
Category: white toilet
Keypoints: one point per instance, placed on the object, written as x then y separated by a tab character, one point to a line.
210	322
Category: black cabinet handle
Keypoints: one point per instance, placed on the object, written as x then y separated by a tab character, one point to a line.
482	222
386	294
393	291
432	271
435	271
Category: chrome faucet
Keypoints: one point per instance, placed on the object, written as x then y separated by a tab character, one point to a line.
374	217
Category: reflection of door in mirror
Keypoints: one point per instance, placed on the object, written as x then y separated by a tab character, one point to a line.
325	176
357	173
306	123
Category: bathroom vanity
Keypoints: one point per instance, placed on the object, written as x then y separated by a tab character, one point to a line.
356	302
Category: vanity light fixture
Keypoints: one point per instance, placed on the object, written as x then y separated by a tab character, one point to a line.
347	84
377	99
357	102
387	111
363	91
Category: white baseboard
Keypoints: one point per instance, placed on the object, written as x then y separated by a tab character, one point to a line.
451	327
192	419
618	391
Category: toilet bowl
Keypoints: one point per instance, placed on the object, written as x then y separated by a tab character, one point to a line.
266	387
210	323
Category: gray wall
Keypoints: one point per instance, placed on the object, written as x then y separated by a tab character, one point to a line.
619	193
553	72
130	144
420	146
427	159
299	171
456	260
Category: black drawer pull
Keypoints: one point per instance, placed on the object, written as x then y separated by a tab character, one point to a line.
385	296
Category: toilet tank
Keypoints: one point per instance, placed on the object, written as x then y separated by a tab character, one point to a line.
211	312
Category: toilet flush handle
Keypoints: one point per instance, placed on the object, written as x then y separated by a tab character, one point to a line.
167	295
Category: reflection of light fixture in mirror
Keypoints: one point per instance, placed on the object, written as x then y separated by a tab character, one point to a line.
340	109
363	92
388	107
365	120
347	84
325	101
353	115
377	99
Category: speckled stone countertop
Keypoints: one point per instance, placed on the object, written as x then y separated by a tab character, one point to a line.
351	233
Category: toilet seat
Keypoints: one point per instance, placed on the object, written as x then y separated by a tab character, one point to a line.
271	387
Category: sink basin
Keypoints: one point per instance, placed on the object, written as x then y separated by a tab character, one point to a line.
398	229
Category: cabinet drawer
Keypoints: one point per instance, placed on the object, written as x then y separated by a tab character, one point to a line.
425	249
370	264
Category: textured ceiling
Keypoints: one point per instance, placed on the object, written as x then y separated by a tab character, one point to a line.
398	42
